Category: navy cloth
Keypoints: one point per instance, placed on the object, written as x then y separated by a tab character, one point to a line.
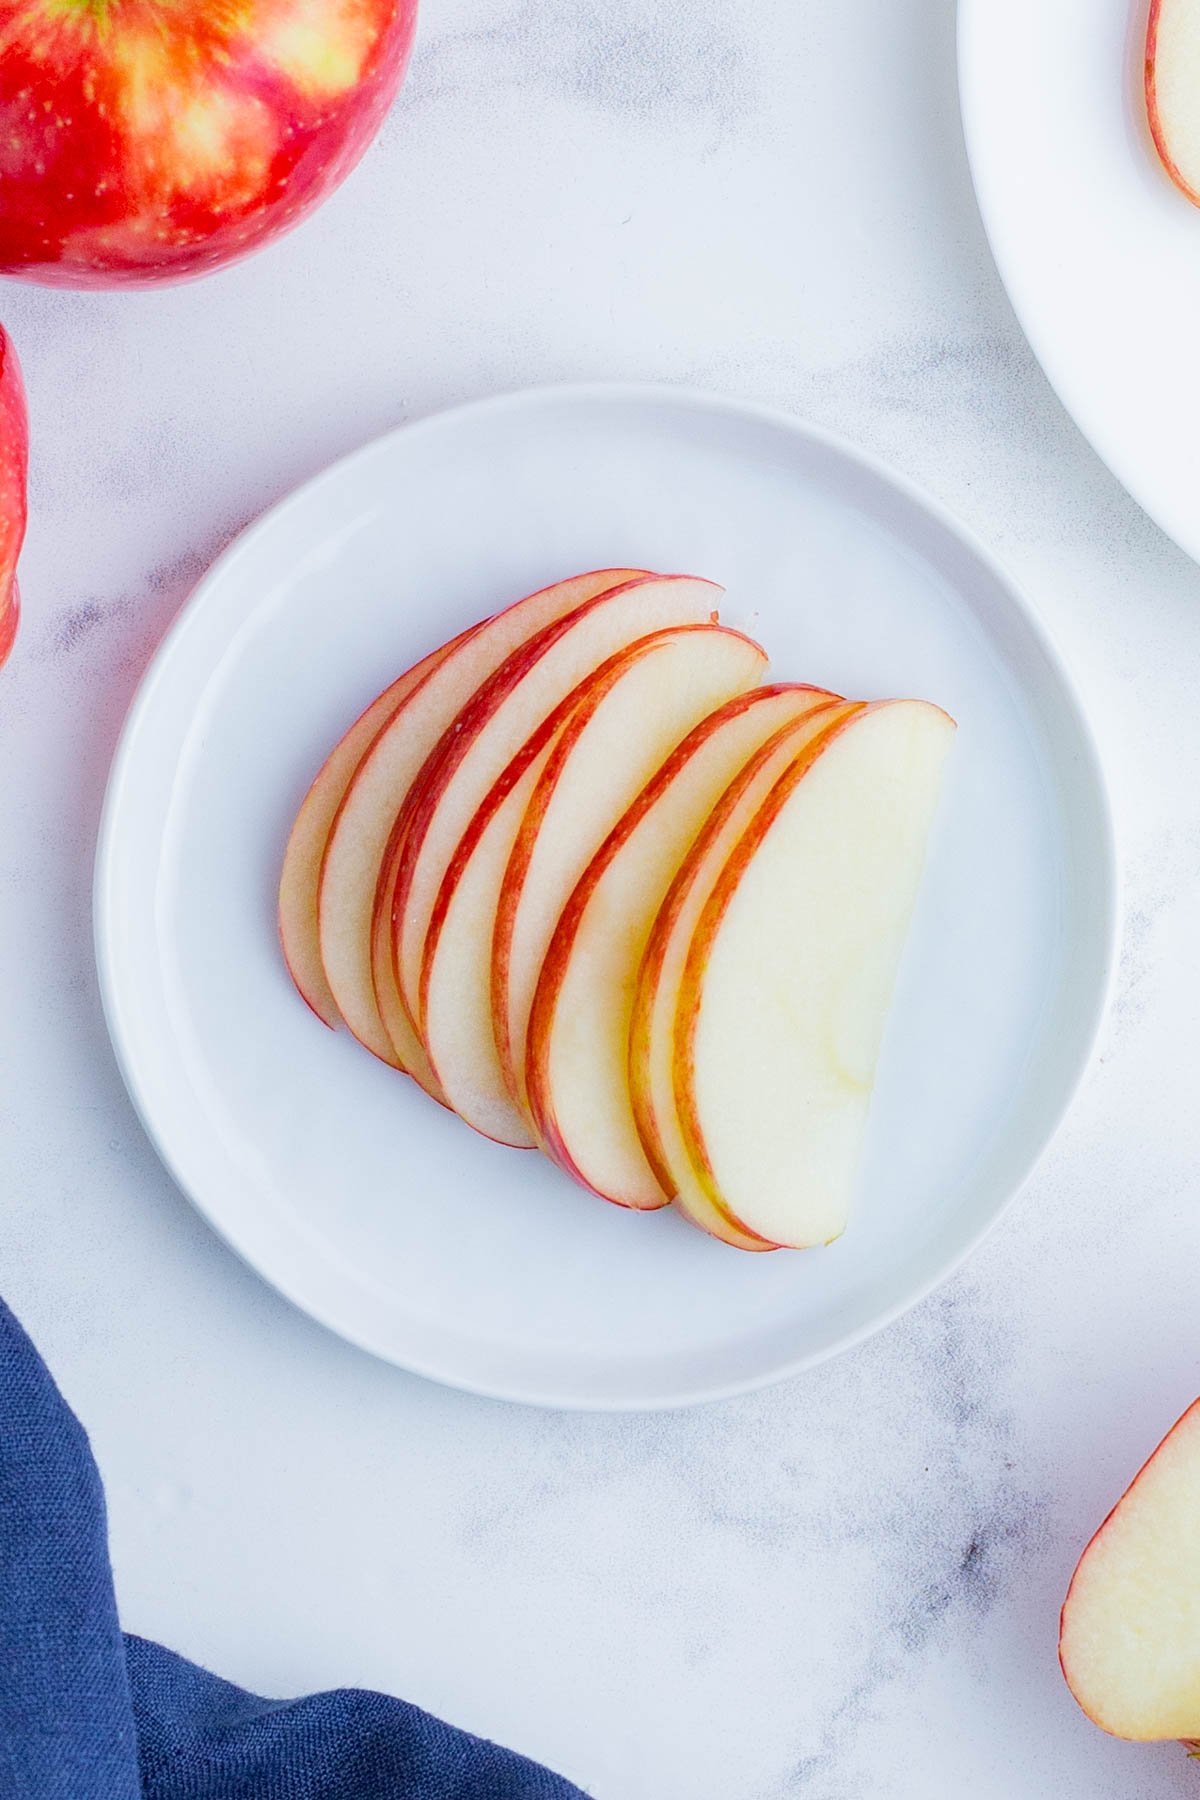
89	1714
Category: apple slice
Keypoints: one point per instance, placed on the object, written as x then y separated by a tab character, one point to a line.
489	732
1129	1640
610	748
457	979
300	880
629	712
14	466
652	1059
1173	90
789	975
364	820
577	1056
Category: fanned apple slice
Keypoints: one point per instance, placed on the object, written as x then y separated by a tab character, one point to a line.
458	980
1129	1641
491	729
652	1057
577	1059
789	975
1173	90
300	879
364	820
613	744
556	800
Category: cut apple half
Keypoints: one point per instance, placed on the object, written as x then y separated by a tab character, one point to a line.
652	1053
611	747
1129	1641
300	879
558	797
1173	90
577	1058
790	971
491	729
362	826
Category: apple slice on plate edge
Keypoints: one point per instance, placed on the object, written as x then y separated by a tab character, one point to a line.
599	891
1173	90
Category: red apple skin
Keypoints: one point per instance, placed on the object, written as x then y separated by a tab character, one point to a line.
14	468
144	141
1153	114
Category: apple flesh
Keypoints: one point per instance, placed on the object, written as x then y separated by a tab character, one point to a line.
789	974
14	468
145	141
652	1051
1173	90
359	837
551	806
577	1061
489	732
614	743
300	880
1129	1640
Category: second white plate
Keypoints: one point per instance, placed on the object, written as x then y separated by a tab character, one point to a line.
338	1180
1099	252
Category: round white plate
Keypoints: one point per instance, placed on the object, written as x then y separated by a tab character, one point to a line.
359	1198
1099	252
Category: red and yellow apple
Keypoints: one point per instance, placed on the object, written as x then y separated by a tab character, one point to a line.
14	466
149	140
1129	1640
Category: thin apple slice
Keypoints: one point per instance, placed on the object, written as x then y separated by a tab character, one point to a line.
300	879
652	1060
553	803
1173	90
616	740
490	730
364	821
457	983
789	975
1129	1641
577	1055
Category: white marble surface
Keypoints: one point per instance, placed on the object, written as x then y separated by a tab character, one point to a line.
846	1586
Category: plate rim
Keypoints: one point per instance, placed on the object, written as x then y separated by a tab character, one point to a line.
1071	396
620	393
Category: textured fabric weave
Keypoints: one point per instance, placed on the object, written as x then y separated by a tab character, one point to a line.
89	1714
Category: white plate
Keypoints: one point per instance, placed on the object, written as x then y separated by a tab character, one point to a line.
348	1189
1099	252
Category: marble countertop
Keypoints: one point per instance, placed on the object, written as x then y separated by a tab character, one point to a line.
848	1585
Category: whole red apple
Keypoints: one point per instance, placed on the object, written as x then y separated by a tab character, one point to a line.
14	463
148	140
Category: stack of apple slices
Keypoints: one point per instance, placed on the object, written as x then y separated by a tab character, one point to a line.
601	891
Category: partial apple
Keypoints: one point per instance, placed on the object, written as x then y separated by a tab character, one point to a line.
653	1057
577	1057
789	975
489	732
365	819
14	469
1129	1640
1173	90
147	140
300	880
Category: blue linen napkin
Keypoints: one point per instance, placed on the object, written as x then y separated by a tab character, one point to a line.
89	1714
